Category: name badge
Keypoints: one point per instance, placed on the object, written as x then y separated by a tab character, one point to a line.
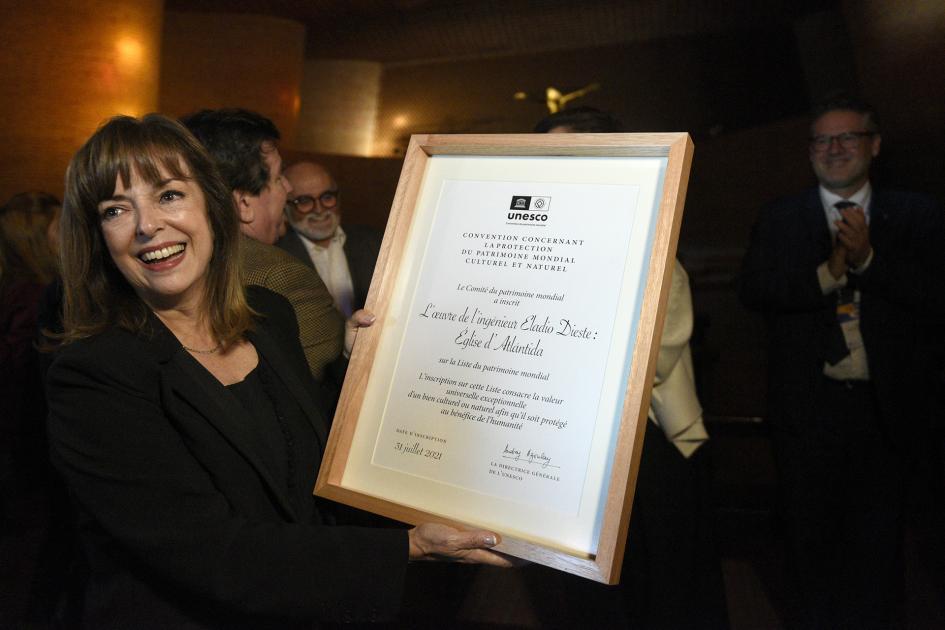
848	315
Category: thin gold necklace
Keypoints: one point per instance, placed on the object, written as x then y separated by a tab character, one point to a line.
212	350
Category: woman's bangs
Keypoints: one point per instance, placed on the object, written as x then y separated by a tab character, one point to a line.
154	161
152	156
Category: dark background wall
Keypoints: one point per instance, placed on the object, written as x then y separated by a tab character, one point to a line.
700	84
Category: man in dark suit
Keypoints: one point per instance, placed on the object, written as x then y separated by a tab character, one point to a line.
244	146
343	257
848	278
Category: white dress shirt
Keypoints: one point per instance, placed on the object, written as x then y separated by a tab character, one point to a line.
332	265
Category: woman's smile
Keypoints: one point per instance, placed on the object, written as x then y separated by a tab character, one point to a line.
162	257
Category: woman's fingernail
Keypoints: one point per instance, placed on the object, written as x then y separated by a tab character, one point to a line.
489	541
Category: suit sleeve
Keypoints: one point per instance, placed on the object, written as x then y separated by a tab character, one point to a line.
321	326
773	278
673	401
152	502
677	327
909	257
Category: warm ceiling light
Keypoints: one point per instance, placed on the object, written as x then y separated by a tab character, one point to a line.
130	51
400	121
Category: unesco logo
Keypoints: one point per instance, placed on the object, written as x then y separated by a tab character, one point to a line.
520	203
528	210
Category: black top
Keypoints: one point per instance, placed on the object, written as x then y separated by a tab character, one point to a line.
284	438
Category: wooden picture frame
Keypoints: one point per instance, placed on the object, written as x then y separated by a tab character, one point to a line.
583	528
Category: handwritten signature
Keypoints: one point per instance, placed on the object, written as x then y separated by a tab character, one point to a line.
529	457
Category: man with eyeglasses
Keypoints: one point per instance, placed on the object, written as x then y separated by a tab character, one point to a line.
343	257
849	279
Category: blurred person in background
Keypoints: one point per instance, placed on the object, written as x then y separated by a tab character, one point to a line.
343	256
27	264
672	576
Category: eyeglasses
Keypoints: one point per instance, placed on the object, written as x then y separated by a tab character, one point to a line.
847	140
306	203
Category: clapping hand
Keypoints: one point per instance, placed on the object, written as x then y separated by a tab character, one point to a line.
837	263
853	234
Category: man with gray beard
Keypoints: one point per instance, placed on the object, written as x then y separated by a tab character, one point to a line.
343	257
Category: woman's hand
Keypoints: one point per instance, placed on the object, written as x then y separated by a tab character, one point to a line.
359	319
433	541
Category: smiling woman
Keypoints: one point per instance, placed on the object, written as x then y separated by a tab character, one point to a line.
138	187
184	419
159	238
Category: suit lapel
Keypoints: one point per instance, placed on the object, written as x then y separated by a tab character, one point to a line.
351	257
818	231
880	228
360	281
200	392
295	246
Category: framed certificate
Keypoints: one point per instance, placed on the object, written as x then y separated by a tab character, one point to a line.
519	296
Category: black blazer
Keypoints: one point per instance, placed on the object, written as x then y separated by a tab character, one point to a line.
902	305
181	524
362	245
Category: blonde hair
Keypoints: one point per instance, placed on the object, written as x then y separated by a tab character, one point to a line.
96	294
